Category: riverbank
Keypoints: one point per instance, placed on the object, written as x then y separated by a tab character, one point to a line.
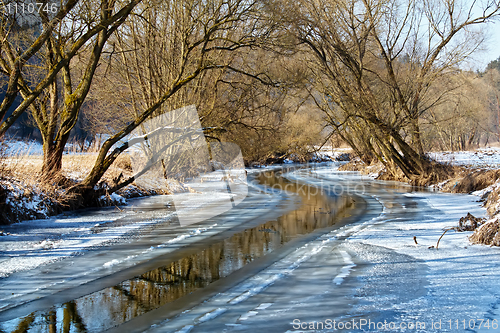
472	172
368	271
23	197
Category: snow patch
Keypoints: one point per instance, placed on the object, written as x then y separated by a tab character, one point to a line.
21	148
112	199
186	329
192	233
488	158
263	306
211	315
247	315
346	270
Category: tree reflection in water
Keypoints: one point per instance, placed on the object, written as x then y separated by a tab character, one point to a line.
120	303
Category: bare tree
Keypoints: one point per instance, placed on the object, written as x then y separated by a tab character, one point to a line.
375	61
492	79
459	121
201	31
83	33
17	51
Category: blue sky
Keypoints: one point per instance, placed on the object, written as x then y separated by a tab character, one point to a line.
492	46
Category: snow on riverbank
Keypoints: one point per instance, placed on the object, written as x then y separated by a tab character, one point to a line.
488	158
30	244
463	284
33	243
395	279
462	278
400	281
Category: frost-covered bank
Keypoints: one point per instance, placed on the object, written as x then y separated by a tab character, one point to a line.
473	172
24	197
369	270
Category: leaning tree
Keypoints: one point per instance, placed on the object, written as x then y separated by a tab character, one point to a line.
374	63
169	45
63	62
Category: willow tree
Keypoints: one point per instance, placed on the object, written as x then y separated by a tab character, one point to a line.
57	81
22	37
57	111
374	62
170	45
466	116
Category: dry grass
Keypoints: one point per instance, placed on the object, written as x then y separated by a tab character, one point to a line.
471	180
487	234
493	202
398	176
4	168
26	168
28	197
435	173
357	165
24	196
460	180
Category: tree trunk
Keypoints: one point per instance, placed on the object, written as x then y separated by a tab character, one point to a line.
416	140
52	160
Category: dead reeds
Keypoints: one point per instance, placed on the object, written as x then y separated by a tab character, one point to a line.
24	196
487	234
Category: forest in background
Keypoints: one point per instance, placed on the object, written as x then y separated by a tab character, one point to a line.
387	78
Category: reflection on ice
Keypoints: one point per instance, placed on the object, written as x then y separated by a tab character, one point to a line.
174	279
172	146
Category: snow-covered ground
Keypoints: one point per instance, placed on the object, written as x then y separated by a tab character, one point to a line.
462	287
488	158
328	152
33	243
17	148
30	244
73	249
370	271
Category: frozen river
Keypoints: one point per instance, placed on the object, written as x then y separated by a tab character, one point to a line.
306	250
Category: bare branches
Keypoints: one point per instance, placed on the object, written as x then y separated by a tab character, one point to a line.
202	33
13	65
375	65
76	44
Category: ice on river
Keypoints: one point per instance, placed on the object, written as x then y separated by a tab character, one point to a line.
376	272
371	269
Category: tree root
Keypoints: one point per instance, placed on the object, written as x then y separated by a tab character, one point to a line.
466	223
445	231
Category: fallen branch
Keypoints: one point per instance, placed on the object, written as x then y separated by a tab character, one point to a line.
445	231
466	223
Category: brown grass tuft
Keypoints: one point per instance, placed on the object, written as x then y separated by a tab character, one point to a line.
20	183
469	223
399	176
436	173
487	234
357	165
119	171
492	203
5	171
472	181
